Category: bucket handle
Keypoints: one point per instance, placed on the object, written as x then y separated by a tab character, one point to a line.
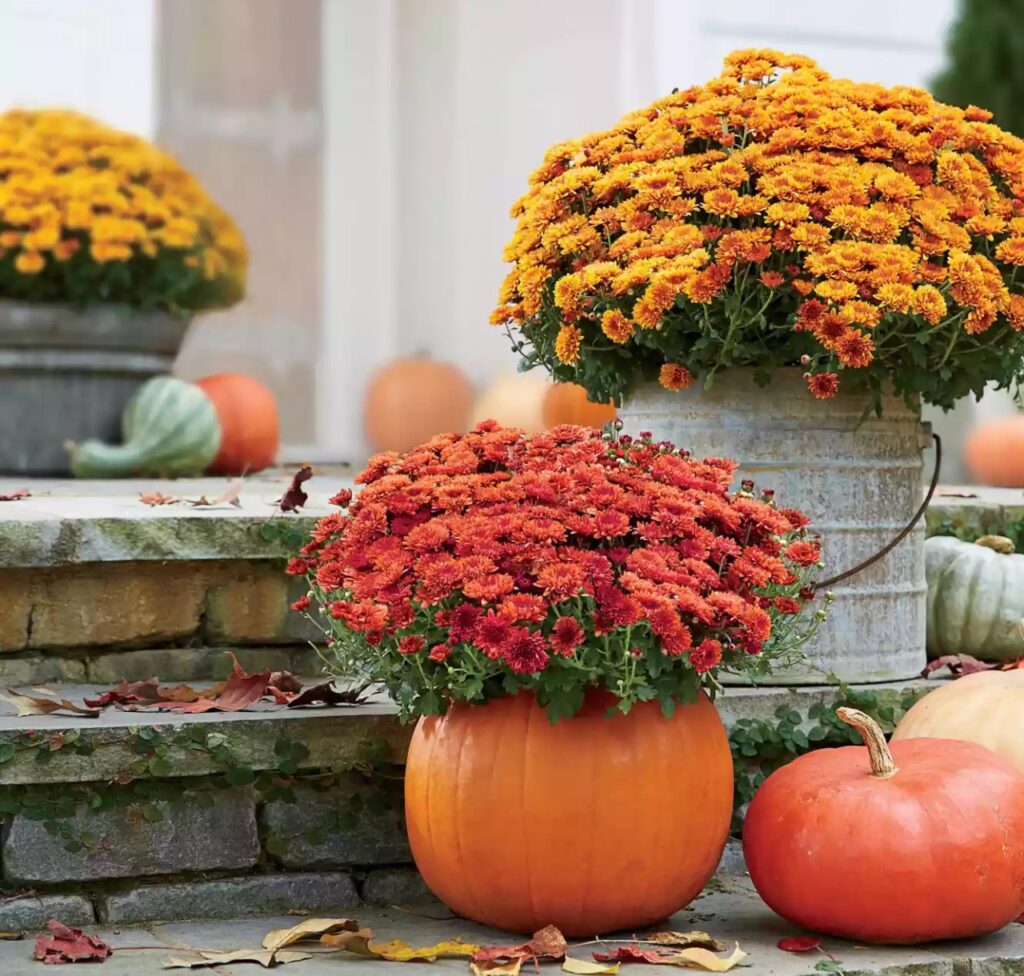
903	532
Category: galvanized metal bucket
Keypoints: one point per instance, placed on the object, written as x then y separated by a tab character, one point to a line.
858	480
66	375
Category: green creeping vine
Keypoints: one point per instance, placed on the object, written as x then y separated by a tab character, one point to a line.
759	747
370	779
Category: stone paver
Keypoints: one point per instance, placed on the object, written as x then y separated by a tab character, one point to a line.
187	836
232	897
302	841
733	914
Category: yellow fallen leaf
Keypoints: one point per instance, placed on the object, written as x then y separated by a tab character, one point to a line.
311	928
703	959
686	940
398	951
584	967
267	958
493	968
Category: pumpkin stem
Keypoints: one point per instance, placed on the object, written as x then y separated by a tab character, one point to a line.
997	543
882	764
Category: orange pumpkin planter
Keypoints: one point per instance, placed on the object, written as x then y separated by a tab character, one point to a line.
567	403
248	419
593	824
922	843
994	452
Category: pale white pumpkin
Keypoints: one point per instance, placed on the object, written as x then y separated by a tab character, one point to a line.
975	598
986	707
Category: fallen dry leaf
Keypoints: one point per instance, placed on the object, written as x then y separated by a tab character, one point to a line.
497	967
701	958
312	929
958	664
327	694
239	692
30	705
547	943
11	936
584	967
153	498
267	958
398	951
294	498
13	496
357	941
284	681
67	945
229	497
799	943
686	940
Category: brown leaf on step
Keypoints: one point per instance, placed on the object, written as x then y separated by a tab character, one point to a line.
66	945
239	692
327	694
294	498
686	940
946	493
547	943
229	497
134	695
31	705
153	498
357	941
13	496
958	664
310	930
698	958
11	936
267	958
284	681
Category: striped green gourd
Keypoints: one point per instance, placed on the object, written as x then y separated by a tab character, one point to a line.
169	428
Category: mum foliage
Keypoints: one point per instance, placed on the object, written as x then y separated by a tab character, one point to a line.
89	214
485	564
776	216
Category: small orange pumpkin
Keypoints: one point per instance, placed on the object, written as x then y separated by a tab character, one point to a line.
920	843
249	423
593	824
994	452
568	403
408	401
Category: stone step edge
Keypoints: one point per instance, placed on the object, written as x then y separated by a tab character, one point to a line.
114	745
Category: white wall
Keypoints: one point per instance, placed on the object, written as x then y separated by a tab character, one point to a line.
96	56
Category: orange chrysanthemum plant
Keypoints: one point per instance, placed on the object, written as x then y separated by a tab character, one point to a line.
776	217
481	565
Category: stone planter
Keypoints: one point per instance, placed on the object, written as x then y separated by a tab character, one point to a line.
66	375
859	481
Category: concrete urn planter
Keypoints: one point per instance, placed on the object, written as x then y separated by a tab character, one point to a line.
66	375
860	483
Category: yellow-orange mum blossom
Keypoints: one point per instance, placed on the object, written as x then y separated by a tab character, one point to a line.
74	193
708	229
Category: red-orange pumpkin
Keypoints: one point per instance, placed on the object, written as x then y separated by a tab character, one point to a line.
410	400
567	403
922	843
994	452
249	423
593	824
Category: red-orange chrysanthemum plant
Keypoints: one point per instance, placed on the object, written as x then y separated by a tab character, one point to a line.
493	562
776	216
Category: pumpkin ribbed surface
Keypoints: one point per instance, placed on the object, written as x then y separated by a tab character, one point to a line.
975	600
987	708
593	824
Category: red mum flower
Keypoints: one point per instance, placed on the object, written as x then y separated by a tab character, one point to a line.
786	604
343	498
706	655
463	623
489	589
302	603
566	636
524	651
439	653
524	606
411	645
491	633
823	386
804	553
